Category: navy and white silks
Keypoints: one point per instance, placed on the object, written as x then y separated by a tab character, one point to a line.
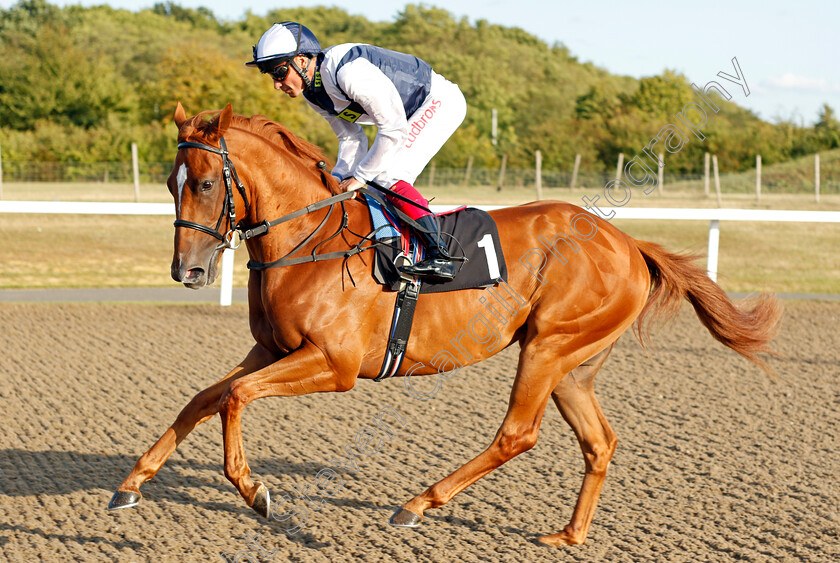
414	109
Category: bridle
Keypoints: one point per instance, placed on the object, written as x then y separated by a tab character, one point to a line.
245	233
229	208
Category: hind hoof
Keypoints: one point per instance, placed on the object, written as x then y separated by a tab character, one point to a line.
262	502
403	518
124	499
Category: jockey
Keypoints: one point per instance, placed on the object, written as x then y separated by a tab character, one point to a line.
414	109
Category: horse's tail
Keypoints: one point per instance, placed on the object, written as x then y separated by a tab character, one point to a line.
746	327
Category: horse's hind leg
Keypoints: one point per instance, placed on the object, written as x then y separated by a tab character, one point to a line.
518	433
201	408
575	397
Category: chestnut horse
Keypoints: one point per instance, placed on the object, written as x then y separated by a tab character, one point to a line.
576	283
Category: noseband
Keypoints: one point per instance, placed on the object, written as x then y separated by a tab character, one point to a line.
229	208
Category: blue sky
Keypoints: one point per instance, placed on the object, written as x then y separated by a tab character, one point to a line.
789	52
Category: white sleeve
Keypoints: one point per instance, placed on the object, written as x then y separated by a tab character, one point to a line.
365	84
352	143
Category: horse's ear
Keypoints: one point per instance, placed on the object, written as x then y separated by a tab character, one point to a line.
180	115
220	124
224	119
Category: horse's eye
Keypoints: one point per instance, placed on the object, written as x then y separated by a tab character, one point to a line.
207	185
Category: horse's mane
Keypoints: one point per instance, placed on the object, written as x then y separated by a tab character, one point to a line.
279	135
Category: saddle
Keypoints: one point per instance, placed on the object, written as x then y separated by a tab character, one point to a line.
473	241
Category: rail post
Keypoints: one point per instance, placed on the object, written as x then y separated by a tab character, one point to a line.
816	177
226	287
502	173
661	173
619	166
136	170
469	171
712	251
575	171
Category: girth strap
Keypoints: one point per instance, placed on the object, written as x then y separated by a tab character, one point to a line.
400	329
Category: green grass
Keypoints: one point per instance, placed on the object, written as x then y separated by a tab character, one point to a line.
473	195
777	257
514	196
54	191
52	251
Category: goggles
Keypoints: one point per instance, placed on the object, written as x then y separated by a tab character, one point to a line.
277	71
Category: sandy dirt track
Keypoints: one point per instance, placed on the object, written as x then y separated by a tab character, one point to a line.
715	462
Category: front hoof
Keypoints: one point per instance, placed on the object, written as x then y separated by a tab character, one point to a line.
262	501
124	499
561	539
403	518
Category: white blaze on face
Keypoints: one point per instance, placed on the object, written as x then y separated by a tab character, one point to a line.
182	179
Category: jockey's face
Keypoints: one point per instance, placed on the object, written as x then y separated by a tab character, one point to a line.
292	85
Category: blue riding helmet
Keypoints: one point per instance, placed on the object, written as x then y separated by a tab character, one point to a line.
283	41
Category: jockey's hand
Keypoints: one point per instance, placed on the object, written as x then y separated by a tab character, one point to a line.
350	184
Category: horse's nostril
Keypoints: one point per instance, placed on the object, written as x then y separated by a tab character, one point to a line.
193	275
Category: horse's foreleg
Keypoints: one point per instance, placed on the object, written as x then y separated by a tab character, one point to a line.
518	433
201	408
575	398
302	372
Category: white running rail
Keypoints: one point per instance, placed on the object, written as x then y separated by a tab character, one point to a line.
713	216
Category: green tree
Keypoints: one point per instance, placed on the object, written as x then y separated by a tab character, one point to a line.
196	17
660	96
46	75
27	16
76	80
827	128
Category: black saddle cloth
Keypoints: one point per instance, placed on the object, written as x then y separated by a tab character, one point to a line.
469	232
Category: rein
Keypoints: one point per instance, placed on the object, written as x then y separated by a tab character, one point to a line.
288	260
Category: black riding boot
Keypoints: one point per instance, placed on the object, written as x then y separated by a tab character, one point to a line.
438	263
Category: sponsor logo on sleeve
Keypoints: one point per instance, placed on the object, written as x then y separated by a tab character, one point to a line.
350	115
